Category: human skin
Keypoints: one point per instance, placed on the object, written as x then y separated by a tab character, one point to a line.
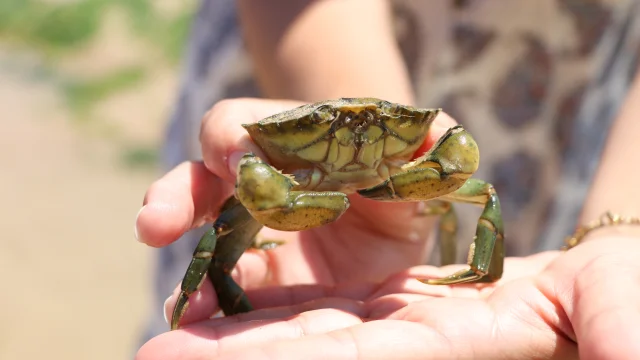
545	306
312	50
551	305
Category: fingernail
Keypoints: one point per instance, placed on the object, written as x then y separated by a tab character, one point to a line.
136	233
234	160
164	309
154	210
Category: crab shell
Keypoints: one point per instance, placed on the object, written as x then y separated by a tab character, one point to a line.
344	144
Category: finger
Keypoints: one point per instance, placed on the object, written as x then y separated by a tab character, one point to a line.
518	317
203	303
516	321
223	138
191	194
441	124
351	306
391	340
508	327
250	272
184	198
278	296
374	340
207	341
404	288
383	298
407	281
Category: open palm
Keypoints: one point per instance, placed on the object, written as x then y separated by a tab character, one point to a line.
549	306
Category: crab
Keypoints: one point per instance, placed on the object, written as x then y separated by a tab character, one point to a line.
316	155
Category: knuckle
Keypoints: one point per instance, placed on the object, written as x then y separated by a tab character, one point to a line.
222	108
217	111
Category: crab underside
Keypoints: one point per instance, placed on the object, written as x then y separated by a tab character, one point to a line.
320	153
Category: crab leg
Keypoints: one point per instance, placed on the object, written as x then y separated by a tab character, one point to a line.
447	229
231	297
267	195
444	173
216	254
486	254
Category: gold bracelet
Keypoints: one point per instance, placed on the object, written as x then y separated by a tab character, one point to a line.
606	219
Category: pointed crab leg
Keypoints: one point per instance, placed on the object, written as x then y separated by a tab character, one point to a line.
216	254
486	254
447	229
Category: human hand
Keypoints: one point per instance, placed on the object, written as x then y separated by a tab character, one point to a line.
551	305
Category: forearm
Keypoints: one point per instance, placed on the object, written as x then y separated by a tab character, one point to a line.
616	184
315	50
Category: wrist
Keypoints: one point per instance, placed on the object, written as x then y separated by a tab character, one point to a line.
607	225
618	232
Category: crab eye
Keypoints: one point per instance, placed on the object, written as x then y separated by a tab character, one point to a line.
356	122
322	114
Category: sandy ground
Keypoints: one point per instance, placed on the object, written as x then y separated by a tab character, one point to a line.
76	283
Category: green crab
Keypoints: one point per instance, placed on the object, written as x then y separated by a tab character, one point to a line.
316	155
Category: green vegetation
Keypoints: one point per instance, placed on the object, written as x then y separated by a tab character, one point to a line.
53	27
82	94
50	27
140	157
58	29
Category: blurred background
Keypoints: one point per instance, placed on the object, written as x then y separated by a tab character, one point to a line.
85	89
